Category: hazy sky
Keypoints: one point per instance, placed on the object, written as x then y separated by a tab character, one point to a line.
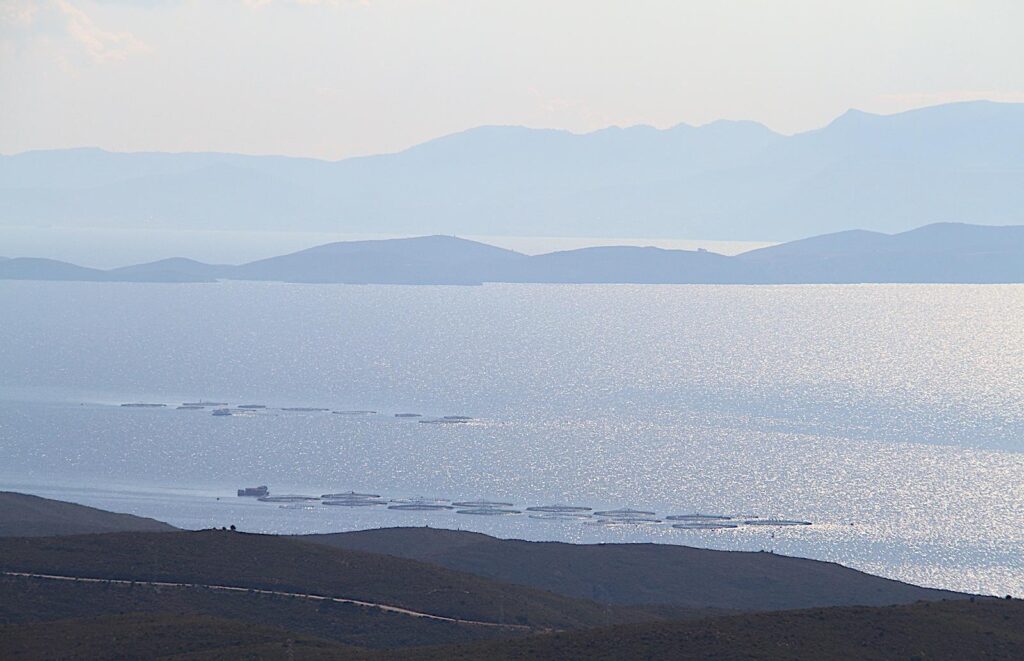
339	78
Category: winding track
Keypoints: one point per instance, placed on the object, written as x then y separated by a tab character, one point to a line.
296	595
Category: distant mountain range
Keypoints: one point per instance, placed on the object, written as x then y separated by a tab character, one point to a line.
961	162
943	252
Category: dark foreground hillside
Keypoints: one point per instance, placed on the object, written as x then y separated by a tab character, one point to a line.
161	637
932	631
953	630
31	603
642	573
222	558
22	515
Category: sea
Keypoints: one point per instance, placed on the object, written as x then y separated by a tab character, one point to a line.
890	417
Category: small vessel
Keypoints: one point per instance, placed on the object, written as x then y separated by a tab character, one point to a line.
487	511
558	509
457	418
201	404
255	492
252	406
143	405
443	421
289	498
408	415
186	407
304	409
353	412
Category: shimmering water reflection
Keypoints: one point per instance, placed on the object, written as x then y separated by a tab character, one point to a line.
890	416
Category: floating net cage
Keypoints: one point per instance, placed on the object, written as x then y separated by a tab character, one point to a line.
696	525
487	511
558	509
624	513
355	503
288	499
419	507
775	522
481	503
348	495
698	517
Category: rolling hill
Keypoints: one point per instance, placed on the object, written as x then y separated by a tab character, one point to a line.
634	574
22	515
937	253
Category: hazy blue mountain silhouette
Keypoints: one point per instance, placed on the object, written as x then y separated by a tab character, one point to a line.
942	252
726	180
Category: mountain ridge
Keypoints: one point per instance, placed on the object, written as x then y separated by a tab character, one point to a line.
728	179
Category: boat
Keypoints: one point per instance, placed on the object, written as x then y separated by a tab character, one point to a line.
353	412
201	404
142	405
252	406
185	407
457	418
408	415
255	492
443	421
303	409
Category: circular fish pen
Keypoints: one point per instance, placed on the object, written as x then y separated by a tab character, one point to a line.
696	525
776	522
288	499
355	503
419	507
624	513
487	511
558	509
698	517
348	495
561	516
476	504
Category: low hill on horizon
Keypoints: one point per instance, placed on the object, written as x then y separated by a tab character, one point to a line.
22	515
937	253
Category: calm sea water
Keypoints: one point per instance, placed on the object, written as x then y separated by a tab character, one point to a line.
890	416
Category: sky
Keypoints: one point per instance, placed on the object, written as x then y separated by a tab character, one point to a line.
334	79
